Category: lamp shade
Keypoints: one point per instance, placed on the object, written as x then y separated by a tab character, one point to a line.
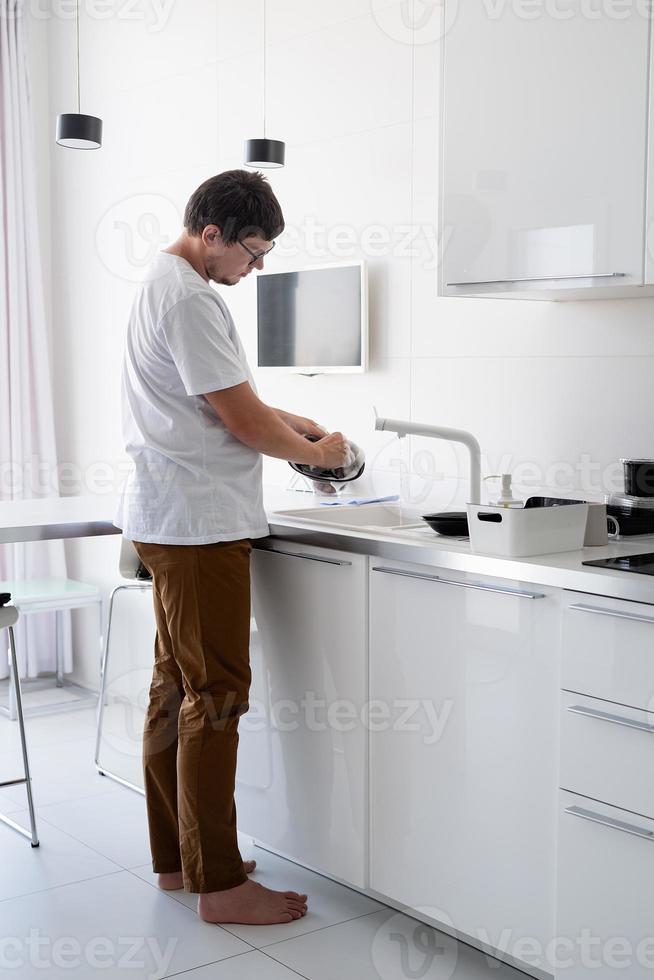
264	153
79	132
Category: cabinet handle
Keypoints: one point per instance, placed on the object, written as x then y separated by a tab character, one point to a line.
497	282
615	613
579	709
297	554
626	828
462	585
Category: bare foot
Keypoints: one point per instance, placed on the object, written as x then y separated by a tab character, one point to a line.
170	881
251	903
174	880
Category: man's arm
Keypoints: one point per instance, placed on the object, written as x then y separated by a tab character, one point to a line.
261	428
305	427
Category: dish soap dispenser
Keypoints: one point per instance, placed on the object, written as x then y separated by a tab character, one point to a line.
506	498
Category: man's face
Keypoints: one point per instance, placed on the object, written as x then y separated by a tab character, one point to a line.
229	264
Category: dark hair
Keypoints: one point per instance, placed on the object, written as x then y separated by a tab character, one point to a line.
240	202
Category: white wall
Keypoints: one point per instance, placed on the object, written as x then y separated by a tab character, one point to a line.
557	391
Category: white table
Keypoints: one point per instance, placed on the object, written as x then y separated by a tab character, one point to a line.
50	518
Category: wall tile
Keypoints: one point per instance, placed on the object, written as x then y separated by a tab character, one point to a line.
240	30
123	46
288	18
562	422
161	126
344	79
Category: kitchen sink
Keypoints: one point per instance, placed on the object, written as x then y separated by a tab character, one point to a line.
371	517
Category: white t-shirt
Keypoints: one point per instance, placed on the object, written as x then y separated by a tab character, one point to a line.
191	481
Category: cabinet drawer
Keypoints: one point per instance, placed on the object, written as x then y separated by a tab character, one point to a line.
605	892
608	649
607	752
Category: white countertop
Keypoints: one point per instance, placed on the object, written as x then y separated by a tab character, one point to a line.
561	570
88	516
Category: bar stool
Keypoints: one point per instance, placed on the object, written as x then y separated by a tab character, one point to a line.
32	596
8	619
138	577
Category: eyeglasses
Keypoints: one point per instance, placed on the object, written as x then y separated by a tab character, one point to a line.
256	255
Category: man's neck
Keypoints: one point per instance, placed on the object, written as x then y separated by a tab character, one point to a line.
184	247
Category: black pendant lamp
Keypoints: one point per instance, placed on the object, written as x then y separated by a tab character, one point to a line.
264	153
74	129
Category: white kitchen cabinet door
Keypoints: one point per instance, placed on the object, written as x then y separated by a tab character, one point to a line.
464	684
605	892
302	777
649	230
544	148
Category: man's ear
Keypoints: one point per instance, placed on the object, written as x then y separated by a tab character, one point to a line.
211	233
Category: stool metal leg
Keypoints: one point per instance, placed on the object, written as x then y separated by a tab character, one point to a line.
30	834
59	648
103	691
12	693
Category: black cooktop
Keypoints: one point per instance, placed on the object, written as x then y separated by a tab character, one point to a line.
643	563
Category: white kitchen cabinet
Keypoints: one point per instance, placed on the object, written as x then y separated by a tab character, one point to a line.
464	680
544	149
301	781
605	894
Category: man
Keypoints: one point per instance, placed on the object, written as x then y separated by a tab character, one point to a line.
195	430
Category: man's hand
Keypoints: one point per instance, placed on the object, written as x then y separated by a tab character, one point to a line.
333	449
301	425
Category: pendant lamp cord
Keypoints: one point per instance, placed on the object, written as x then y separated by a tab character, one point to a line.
264	69
78	88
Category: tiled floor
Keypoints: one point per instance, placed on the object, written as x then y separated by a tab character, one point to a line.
85	902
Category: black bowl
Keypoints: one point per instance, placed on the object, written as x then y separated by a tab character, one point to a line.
451	523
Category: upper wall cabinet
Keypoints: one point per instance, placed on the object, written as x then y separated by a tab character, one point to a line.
545	149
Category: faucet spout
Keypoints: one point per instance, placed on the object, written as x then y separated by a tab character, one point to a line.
405	428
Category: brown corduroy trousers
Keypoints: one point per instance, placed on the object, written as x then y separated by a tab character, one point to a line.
200	685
